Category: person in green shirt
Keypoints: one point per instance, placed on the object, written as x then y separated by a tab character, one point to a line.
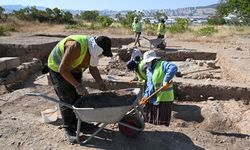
161	29
66	62
137	28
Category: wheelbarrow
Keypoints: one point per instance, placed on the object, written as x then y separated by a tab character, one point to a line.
129	117
157	43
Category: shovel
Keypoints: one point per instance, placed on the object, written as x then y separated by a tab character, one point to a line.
146	100
114	79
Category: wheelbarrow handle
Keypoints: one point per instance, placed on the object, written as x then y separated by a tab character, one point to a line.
51	99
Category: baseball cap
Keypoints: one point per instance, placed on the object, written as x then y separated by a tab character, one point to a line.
105	43
131	65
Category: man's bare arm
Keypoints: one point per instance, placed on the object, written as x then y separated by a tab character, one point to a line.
95	73
72	52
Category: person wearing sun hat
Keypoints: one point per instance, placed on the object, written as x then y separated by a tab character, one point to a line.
159	73
66	62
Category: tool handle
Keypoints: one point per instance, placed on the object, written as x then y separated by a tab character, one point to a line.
145	101
157	91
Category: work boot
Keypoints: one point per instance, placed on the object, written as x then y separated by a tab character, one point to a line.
70	134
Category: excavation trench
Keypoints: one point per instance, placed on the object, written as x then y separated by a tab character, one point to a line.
199	77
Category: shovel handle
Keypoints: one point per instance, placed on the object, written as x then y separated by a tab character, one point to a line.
145	101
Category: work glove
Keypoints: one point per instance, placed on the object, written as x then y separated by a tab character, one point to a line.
81	90
130	81
166	85
144	101
102	86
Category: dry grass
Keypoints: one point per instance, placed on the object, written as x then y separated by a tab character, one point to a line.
224	34
34	26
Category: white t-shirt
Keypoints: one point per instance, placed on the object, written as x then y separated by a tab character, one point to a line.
94	51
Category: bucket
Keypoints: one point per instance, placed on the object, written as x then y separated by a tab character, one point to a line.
49	115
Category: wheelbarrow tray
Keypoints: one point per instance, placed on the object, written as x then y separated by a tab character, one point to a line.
105	115
155	42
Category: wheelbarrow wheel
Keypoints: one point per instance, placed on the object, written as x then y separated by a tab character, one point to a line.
132	120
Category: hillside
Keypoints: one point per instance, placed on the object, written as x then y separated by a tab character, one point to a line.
187	11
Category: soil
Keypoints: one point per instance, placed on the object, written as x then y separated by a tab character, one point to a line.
210	124
106	99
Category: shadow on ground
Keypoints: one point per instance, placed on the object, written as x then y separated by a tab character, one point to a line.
147	140
237	135
188	113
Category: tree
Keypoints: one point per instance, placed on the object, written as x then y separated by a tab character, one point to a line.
89	15
57	15
118	16
239	7
105	21
1	10
67	17
160	14
52	16
2	15
128	19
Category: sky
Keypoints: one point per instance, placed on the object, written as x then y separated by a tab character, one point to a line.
111	4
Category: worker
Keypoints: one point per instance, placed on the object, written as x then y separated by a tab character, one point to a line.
161	29
136	54
66	62
137	28
138	65
159	73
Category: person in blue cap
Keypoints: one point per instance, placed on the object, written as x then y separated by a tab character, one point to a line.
138	65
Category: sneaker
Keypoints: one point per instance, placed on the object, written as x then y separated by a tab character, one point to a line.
70	134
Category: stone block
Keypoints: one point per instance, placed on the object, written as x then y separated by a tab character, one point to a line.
2	65
11	62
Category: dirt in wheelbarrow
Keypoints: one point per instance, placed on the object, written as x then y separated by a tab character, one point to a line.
106	99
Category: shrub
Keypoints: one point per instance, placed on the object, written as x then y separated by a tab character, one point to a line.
128	19
49	15
2	30
150	29
180	26
216	20
206	31
105	21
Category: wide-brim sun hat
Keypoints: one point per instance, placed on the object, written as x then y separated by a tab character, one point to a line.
150	56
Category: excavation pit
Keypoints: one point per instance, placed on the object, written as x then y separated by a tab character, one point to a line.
205	111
